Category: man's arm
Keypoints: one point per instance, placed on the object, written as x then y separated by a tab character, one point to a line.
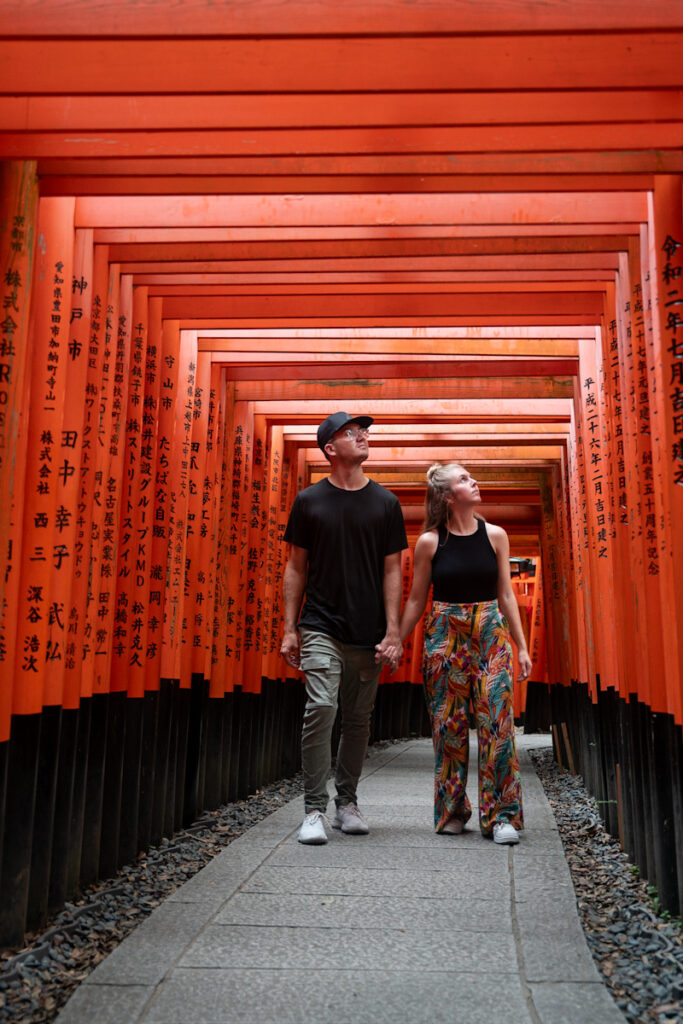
390	649
293	586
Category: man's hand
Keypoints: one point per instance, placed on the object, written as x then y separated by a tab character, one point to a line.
289	649
389	651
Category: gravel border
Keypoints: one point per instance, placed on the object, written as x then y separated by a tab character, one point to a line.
36	981
638	953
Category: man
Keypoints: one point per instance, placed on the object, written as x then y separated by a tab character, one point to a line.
346	534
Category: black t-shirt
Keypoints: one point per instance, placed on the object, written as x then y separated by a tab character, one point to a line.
347	535
465	569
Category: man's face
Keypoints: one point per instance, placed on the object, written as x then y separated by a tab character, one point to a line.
351	442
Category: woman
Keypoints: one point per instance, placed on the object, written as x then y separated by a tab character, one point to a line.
467	654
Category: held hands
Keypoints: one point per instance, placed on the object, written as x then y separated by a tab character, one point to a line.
289	649
524	665
389	651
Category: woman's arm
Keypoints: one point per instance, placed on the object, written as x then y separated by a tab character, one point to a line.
422	578
506	597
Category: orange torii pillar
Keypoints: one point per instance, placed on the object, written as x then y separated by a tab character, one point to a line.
38	561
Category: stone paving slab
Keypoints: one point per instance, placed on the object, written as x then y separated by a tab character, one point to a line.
396	883
156	944
248	946
448	854
565	1003
436	913
554	945
341	997
106	1004
546	880
361	930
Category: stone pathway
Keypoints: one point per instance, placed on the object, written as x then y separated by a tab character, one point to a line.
400	926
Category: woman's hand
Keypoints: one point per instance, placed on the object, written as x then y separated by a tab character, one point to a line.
389	651
524	665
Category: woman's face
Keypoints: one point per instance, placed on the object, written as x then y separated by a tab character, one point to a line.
464	488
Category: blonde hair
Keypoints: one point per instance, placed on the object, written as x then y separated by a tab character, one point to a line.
439	480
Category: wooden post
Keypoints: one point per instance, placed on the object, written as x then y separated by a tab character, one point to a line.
620	806
558	749
567	747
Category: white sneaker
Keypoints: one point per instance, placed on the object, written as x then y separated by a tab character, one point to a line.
349	819
504	832
312	830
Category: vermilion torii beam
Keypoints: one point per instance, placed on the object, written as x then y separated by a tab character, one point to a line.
154	181
338	110
77	17
414	410
419	62
406	387
209	244
545	168
481	264
485	367
577	307
373	210
501	139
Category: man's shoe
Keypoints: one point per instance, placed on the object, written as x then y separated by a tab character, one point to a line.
453	827
504	832
349	819
312	831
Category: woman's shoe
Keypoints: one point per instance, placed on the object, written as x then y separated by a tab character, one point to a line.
453	827
504	832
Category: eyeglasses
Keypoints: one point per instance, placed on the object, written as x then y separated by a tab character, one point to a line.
354	433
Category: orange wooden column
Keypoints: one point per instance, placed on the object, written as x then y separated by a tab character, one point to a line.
252	558
133	522
18	212
68	595
116	369
162	389
600	554
196	566
147	504
42	555
178	494
537	646
666	257
77	679
240	460
273	560
222	638
562	665
18	209
212	512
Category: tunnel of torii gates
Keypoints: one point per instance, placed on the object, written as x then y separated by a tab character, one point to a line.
462	219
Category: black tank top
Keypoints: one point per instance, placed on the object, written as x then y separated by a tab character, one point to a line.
465	569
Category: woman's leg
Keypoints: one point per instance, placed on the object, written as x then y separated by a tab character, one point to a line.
500	791
447	692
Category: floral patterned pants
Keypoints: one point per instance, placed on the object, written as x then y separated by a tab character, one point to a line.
468	657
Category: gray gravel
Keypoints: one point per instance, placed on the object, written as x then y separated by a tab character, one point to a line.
36	981
639	954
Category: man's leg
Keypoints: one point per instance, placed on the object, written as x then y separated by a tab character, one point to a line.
322	667
357	697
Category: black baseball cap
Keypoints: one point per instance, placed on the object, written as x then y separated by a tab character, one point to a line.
329	427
